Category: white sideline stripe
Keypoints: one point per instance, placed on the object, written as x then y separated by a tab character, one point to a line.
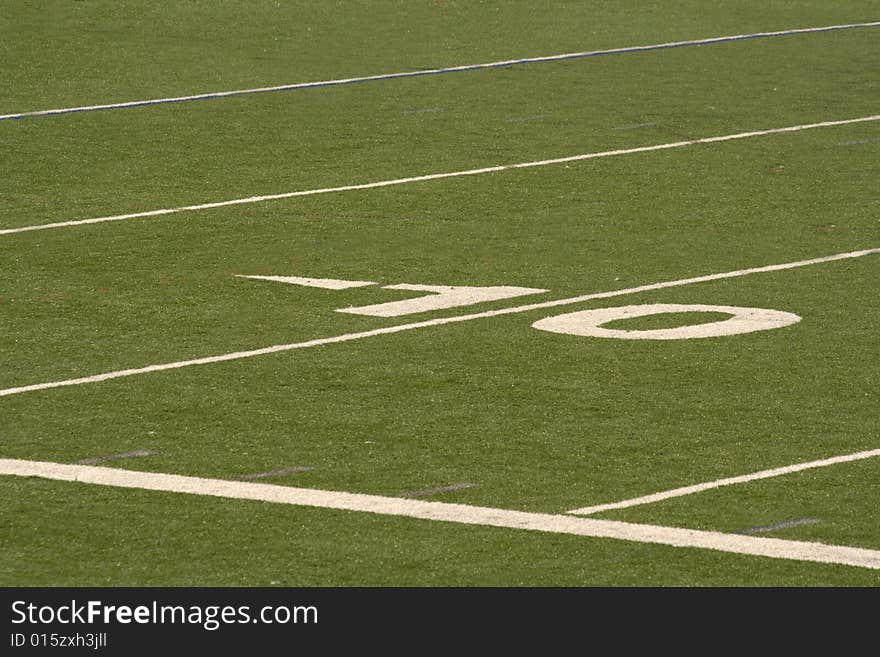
436	71
446	512
698	488
439	176
430	322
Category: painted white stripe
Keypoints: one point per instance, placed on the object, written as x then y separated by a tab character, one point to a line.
430	322
446	512
444	70
93	460
278	473
439	176
326	283
698	488
788	524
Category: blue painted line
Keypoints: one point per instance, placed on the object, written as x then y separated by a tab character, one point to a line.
441	71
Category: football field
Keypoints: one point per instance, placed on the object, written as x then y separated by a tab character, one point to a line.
440	293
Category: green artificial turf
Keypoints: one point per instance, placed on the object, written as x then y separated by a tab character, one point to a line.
536	421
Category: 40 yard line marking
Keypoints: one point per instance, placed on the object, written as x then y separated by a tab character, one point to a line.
439	176
439	71
447	512
387	330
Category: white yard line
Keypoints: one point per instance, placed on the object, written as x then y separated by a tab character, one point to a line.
439	71
430	322
445	512
698	488
439	176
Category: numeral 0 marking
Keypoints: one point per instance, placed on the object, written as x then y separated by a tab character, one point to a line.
589	323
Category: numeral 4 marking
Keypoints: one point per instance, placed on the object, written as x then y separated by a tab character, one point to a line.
441	297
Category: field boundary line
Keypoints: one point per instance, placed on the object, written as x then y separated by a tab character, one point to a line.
728	481
439	71
439	176
448	512
348	337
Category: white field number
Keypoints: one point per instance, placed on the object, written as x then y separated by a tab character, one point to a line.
589	323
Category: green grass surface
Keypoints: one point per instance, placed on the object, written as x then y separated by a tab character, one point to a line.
84	52
136	538
539	421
